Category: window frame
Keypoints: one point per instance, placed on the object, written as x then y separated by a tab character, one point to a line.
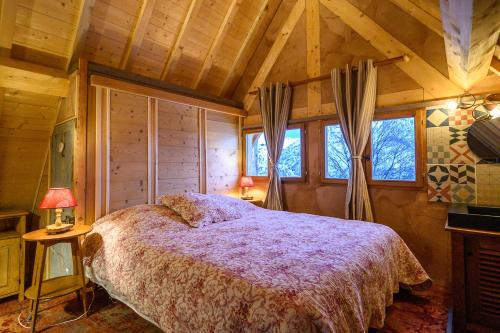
303	162
419	181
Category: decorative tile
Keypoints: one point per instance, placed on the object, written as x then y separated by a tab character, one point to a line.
439	192
463	193
438	183
438	173
458	134
439	154
437	117
462	174
488	184
460	117
461	154
438	136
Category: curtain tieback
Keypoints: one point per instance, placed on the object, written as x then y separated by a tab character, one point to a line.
356	157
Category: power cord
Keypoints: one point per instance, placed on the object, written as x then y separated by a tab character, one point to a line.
63	322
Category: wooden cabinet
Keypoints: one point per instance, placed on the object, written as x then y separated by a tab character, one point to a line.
476	280
9	266
12	227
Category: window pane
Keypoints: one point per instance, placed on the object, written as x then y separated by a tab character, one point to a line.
393	149
338	162
290	163
256	151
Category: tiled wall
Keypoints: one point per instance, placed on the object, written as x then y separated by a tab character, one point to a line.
454	172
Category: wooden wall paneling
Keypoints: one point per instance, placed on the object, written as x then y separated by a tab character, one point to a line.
102	151
202	135
178	148
421	15
78	98
79	36
90	156
128	150
313	57
223	165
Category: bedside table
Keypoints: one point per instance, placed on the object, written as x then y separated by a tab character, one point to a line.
58	286
258	203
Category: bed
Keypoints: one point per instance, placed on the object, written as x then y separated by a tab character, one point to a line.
266	271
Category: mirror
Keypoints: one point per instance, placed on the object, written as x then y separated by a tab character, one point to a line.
484	139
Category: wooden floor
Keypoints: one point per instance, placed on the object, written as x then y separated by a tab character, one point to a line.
424	312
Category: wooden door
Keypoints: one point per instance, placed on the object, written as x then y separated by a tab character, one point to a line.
9	266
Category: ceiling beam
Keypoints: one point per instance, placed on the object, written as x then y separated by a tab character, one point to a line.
313	57
495	66
275	51
16	74
175	51
137	35
471	30
429	78
8	10
80	33
237	64
420	15
216	45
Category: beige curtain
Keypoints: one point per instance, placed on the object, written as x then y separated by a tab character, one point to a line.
354	95
275	108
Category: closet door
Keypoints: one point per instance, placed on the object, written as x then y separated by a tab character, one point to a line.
178	148
223	159
128	150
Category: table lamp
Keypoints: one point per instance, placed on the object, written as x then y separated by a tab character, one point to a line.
58	198
245	183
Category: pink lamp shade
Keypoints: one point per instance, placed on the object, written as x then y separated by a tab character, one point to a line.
246	182
58	197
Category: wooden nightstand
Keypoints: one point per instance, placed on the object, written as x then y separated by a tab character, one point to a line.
62	285
12	228
258	203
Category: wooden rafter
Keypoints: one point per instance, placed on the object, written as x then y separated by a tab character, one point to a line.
8	10
429	78
313	56
175	52
214	49
81	30
421	15
471	30
135	41
251	35
16	74
274	52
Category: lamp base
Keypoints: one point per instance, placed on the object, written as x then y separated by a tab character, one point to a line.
55	229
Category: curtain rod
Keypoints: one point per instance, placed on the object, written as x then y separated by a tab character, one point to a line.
402	58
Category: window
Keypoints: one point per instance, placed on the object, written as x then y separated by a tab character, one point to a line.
291	164
338	161
393	149
256	154
393	154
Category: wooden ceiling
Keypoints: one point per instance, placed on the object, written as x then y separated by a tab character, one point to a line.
207	44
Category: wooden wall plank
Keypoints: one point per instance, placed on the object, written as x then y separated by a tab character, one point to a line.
178	155
77	40
421	15
8	10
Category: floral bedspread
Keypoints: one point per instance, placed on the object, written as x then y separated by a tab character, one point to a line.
266	272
